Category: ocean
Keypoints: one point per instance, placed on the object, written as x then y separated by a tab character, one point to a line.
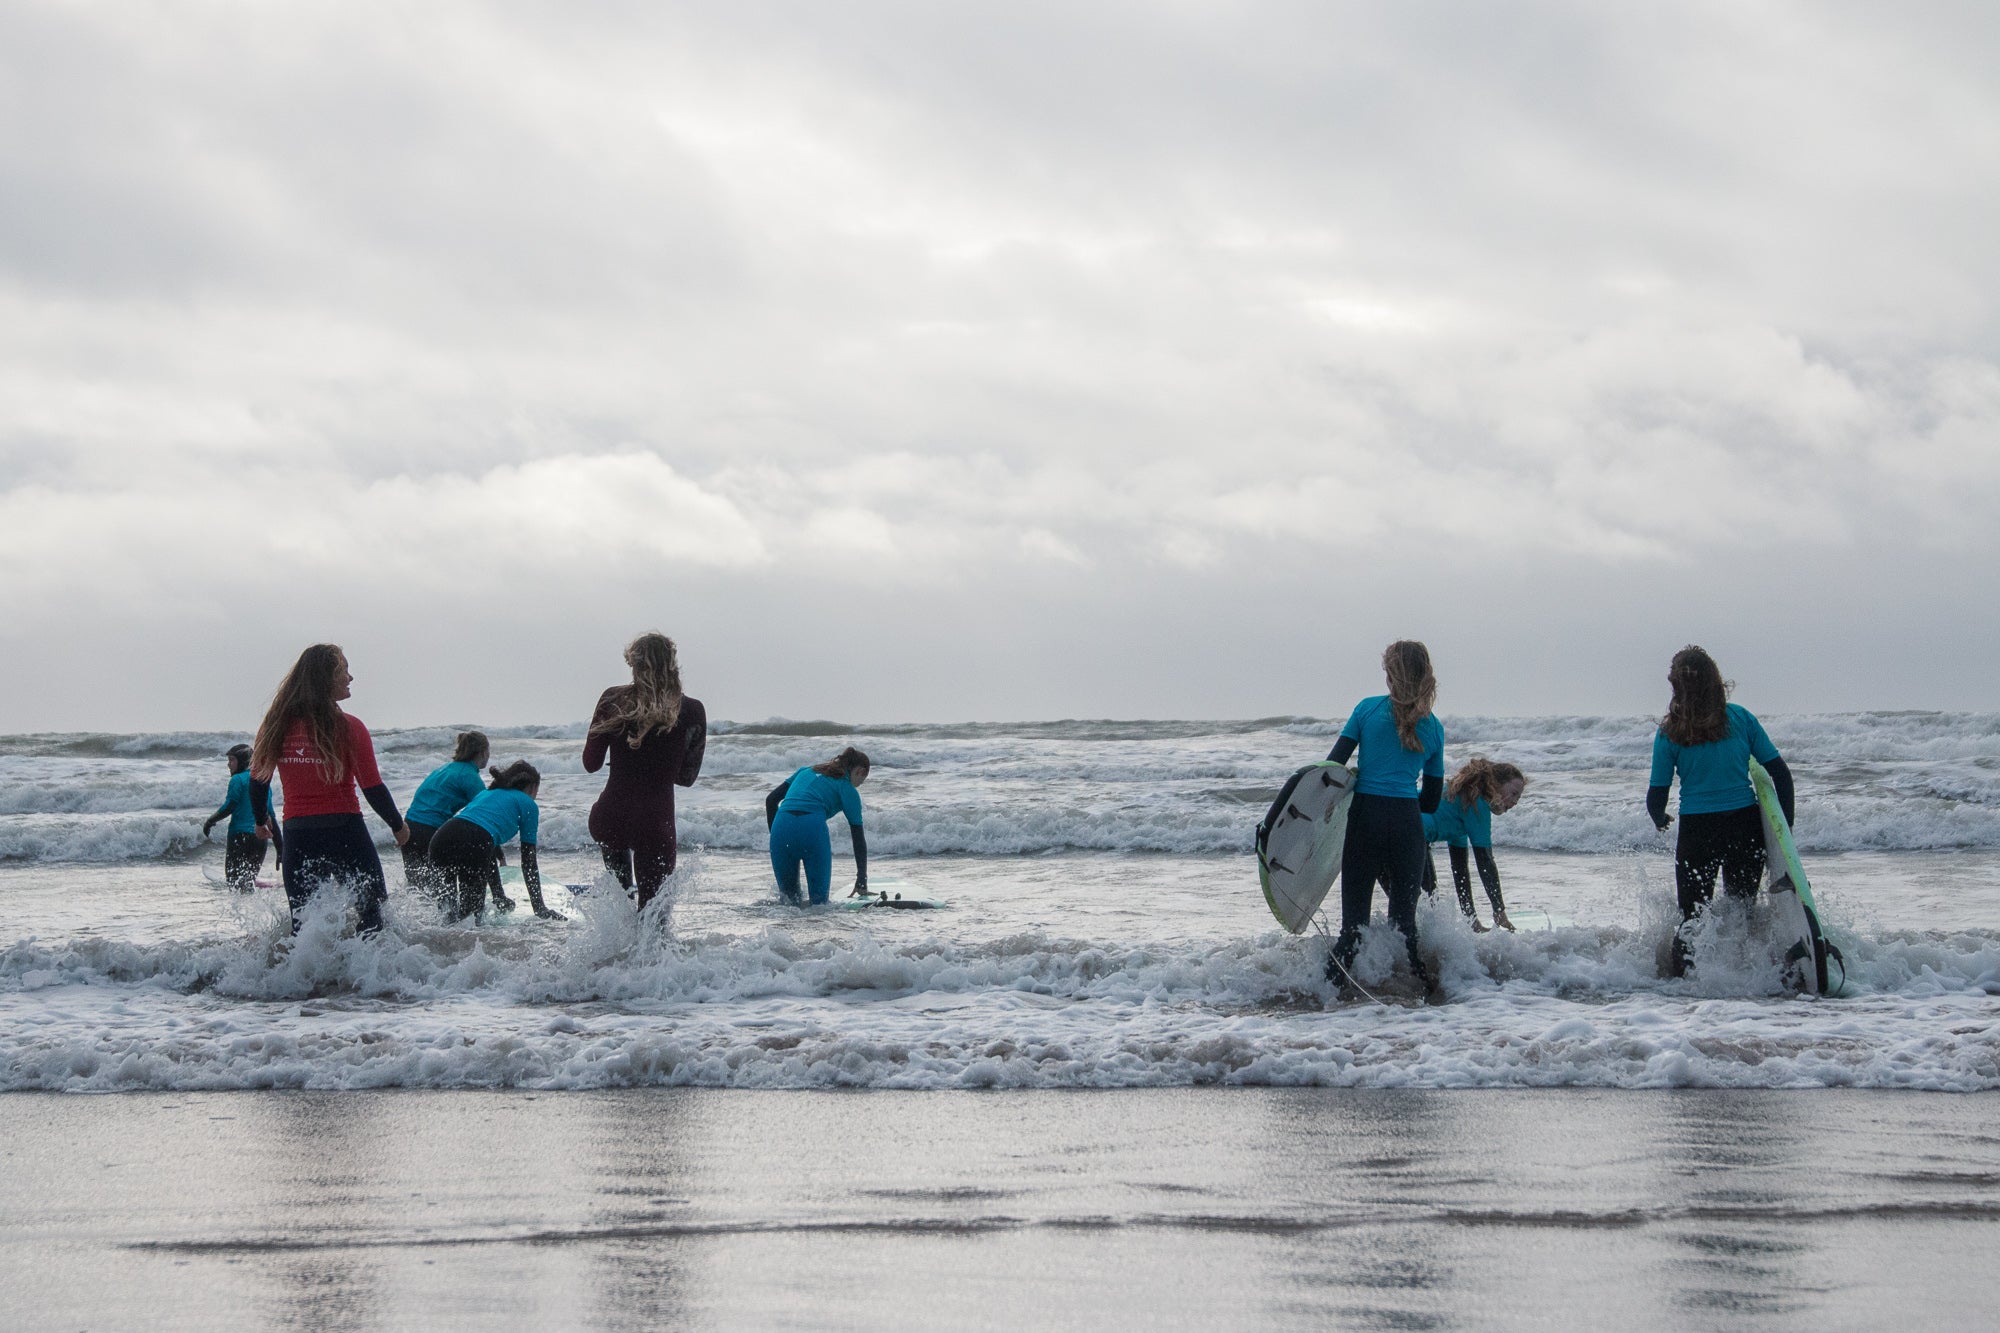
1220	1141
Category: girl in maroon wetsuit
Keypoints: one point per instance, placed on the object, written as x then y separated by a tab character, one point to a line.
655	737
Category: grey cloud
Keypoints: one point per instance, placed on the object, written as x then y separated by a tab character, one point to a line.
1047	313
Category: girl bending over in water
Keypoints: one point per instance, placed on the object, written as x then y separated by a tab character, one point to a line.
1464	819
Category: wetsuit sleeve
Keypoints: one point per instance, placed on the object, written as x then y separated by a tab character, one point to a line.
384	804
260	801
361	756
531	875
1432	793
776	795
596	742
531	826
1461	880
1663	761
850	803
1781	778
1761	748
1343	749
860	856
1489	876
697	743
1656	805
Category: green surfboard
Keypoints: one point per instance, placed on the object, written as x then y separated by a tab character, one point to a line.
1808	950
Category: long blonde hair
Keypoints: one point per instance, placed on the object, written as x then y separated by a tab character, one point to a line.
306	694
1412	688
1481	780
652	702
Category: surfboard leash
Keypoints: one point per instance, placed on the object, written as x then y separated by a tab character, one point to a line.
1319	919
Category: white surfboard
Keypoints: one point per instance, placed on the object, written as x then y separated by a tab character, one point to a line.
554	895
1300	841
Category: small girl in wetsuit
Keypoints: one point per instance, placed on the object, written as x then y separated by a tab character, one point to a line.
444	793
1399	779
244	854
796	811
1710	742
465	853
1464	820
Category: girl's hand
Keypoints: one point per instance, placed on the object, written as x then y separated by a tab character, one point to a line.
402	834
264	832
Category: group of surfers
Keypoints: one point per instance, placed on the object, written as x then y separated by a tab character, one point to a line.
1402	804
648	733
653	737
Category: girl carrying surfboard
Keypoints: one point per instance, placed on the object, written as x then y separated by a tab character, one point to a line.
1399	779
1710	742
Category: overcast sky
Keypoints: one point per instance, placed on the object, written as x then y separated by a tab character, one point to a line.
920	361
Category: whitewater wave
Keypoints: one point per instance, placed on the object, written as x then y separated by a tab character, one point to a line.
615	1001
1867	782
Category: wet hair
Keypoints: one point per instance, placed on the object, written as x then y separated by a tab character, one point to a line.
239	758
843	764
1481	780
517	776
1698	713
1413	690
472	748
652	702
305	695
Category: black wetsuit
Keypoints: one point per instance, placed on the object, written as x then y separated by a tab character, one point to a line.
1385	842
1461	878
1725	842
466	865
633	820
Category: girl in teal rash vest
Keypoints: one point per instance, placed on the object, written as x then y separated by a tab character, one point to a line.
1398	780
797	810
1464	820
443	794
245	855
1710	742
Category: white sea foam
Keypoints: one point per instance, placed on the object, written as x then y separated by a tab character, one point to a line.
616	1001
1888	781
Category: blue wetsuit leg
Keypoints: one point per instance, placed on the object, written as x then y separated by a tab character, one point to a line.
799	840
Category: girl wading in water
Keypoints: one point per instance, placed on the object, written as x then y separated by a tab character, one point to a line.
1398	780
322	754
796	811
1710	742
654	737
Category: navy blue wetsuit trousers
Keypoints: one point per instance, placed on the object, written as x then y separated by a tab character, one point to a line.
1385	841
243	859
1729	843
333	849
799	840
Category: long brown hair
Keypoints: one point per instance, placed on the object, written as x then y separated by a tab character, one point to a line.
652	702
305	695
472	748
1481	780
1412	688
843	764
1698	713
